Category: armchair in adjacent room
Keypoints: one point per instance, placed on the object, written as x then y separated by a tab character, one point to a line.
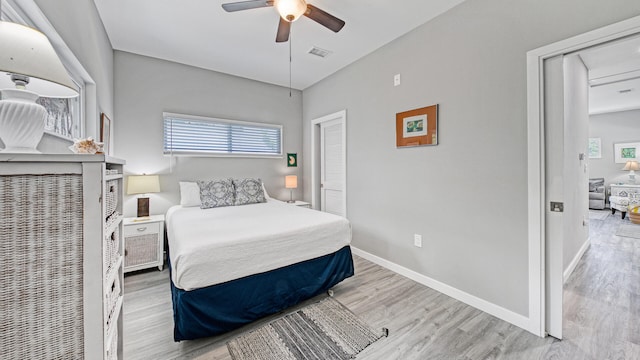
596	193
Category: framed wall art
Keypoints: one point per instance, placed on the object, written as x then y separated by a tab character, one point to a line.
595	148
418	127
105	133
624	152
292	160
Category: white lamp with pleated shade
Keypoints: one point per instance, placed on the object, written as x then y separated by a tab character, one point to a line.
29	68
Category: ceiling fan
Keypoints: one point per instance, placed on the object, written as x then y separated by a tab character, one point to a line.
290	11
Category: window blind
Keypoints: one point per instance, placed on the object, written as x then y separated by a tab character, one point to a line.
186	134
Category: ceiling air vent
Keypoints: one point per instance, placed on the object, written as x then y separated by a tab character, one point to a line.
319	52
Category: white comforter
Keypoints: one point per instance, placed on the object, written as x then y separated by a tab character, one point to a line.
212	246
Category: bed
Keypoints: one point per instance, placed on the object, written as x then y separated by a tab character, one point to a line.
232	265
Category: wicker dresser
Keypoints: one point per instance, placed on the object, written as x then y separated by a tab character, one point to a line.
61	264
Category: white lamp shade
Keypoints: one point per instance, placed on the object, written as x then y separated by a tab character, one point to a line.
291	10
291	181
27	51
143	184
631	165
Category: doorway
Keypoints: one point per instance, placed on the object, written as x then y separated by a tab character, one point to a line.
329	163
542	316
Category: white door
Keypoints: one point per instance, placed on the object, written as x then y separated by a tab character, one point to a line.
566	134
554	173
332	167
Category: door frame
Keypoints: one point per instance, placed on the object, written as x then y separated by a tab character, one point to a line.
536	154
315	157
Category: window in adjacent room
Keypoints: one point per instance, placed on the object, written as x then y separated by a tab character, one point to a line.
196	135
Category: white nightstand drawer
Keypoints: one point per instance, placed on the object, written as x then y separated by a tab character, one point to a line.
141	229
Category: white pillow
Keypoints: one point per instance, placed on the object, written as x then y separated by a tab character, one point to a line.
189	193
266	196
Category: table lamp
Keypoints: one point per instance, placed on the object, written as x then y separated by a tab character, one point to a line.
29	68
631	166
143	184
291	182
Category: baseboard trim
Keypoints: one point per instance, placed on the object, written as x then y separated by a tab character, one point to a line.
509	316
572	266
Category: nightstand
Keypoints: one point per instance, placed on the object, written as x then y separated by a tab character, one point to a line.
143	243
301	204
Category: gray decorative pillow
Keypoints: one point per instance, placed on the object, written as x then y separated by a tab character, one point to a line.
249	191
216	193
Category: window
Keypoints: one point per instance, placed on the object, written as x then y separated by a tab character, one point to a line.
195	135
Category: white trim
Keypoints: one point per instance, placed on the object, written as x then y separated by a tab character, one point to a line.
315	128
535	154
572	266
480	304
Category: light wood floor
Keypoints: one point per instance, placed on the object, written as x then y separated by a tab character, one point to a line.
601	305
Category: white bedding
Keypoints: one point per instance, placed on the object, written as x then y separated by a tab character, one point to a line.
213	246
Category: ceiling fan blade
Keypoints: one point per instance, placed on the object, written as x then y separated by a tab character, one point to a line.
284	28
246	5
324	18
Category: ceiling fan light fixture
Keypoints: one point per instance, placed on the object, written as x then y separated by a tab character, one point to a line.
291	10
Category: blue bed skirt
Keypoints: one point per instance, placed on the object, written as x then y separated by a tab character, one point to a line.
220	308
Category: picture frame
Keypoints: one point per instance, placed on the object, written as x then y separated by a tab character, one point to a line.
105	133
624	152
595	148
292	160
417	127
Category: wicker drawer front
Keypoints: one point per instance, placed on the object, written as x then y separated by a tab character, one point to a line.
41	233
111	299
111	197
141	249
110	250
112	351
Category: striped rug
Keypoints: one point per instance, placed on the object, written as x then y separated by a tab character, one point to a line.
323	330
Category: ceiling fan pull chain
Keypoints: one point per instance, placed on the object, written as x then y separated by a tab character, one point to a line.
290	40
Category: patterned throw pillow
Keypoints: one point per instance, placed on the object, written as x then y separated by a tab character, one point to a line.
249	191
216	193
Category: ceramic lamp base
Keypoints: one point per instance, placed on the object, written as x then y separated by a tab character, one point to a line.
21	121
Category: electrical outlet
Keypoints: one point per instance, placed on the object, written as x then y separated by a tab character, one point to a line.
417	240
396	80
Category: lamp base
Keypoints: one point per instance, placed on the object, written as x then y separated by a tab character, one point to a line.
143	207
21	121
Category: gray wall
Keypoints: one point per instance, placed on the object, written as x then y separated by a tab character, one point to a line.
611	128
468	195
79	25
145	87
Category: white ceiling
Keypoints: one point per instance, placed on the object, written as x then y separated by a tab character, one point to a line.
202	34
614	76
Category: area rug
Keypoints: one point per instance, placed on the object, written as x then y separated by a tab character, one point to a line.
323	330
598	215
629	230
